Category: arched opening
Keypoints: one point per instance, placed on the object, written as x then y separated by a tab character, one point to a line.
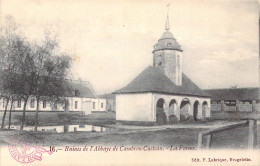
204	109
195	110
160	114
173	111
184	109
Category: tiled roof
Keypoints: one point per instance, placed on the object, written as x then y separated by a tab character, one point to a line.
234	94
83	89
153	80
108	96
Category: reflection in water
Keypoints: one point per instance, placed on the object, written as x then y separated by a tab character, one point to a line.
65	128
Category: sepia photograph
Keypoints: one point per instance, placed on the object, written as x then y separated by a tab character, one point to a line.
126	82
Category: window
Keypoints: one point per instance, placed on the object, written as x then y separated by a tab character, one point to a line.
44	104
19	104
76	104
159	60
178	61
32	103
169	44
101	105
76	93
94	105
178	70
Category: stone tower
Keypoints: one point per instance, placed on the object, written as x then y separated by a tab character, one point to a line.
167	55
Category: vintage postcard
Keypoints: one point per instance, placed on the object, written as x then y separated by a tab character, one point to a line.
129	82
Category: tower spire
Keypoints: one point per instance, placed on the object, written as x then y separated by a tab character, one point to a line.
167	25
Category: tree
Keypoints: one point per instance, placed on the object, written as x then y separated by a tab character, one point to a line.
31	69
12	46
50	68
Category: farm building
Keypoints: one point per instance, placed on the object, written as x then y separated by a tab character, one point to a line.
237	99
81	99
110	102
162	93
234	103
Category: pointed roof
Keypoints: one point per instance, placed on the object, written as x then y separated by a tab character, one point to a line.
153	80
167	25
167	40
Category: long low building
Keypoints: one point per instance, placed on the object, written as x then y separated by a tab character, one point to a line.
234	104
81	99
235	99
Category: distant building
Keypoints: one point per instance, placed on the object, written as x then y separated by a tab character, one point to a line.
110	102
237	99
81	99
162	93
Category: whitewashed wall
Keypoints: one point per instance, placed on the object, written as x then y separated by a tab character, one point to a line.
98	105
134	107
84	104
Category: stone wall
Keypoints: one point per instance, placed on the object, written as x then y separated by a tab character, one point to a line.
170	64
245	106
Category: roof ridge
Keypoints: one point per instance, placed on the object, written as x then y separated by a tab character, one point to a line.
232	88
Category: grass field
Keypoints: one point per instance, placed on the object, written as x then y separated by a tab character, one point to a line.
232	139
235	138
62	118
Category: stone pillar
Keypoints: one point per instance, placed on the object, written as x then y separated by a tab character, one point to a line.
178	112
199	115
190	111
254	106
237	105
167	113
222	105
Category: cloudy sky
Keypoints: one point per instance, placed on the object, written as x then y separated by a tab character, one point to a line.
112	42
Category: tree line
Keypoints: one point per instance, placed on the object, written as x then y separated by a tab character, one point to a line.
31	69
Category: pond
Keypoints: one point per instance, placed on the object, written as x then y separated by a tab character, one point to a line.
65	128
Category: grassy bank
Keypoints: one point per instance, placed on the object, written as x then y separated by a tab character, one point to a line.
61	118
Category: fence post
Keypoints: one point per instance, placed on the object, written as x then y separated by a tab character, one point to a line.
254	105
222	105
208	142
237	105
200	139
252	134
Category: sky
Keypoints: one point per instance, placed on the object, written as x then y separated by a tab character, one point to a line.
112	41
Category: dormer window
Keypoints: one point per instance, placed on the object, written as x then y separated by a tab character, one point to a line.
169	44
